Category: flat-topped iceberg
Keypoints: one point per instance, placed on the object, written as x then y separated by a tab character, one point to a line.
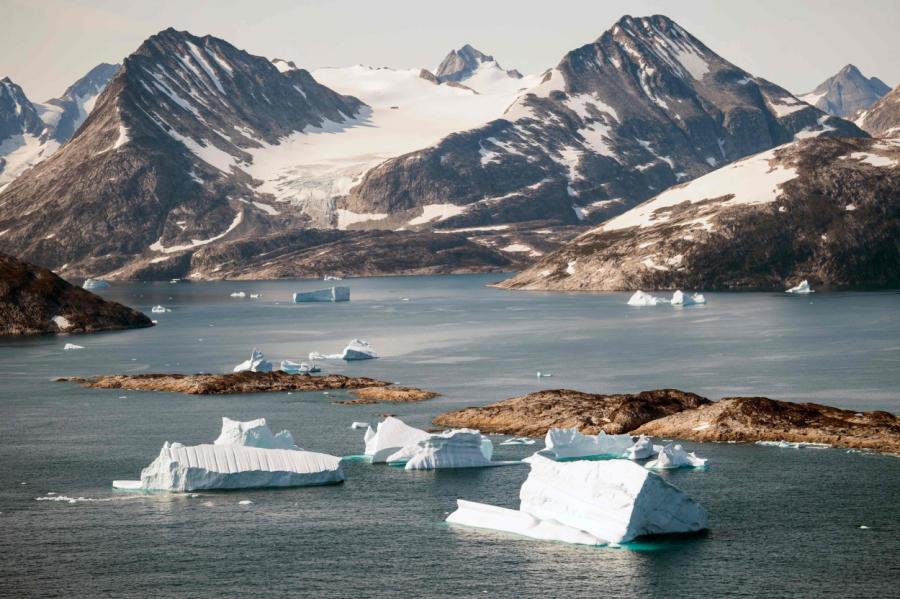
94	284
355	350
674	456
567	443
160	309
256	363
680	299
642	449
590	502
356	425
794	445
253	433
645	299
332	294
390	436
802	289
458	448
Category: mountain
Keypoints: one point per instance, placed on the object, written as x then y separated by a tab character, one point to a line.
35	301
158	167
882	119
65	114
618	120
22	139
825	209
461	65
846	93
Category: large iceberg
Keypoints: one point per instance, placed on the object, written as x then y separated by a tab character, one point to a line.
458	448
803	288
355	350
645	299
253	433
256	363
567	443
94	284
390	436
680	299
590	502
332	294
674	456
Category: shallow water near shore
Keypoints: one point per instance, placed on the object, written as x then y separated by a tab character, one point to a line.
783	521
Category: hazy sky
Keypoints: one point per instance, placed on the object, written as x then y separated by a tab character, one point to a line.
47	44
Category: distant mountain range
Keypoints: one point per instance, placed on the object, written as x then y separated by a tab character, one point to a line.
846	93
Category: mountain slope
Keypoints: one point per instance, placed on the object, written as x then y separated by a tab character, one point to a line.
645	106
22	133
65	114
826	210
882	119
846	93
155	170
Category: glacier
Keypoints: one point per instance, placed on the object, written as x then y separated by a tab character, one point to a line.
256	363
674	456
390	436
355	350
332	294
567	443
253	433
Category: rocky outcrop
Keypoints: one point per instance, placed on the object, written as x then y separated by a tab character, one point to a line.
846	93
826	210
763	419
232	382
534	414
882	119
370	395
35	301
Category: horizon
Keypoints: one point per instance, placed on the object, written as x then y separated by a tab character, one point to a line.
102	31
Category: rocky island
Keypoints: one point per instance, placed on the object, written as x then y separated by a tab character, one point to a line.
34	301
370	395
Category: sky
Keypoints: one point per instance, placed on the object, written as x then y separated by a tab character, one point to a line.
47	44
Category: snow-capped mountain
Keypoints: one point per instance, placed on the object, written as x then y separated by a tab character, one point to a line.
826	210
461	65
65	114
22	142
644	107
158	167
882	119
846	93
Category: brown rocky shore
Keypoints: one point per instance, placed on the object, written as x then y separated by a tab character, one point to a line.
669	413
232	382
370	395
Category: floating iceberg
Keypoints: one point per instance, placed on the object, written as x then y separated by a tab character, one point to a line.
458	448
802	289
359	425
332	278
256	363
794	445
332	294
612	501
159	309
203	467
542	375
238	294
645	299
253	433
69	346
518	441
680	299
95	284
255	295
566	443
642	449
674	456
355	350
292	367
390	436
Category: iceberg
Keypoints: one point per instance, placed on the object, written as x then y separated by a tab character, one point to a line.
518	441
255	295
238	294
567	443
458	448
253	433
355	350
592	503
674	456
645	299
292	367
642	449
794	445
159	309
332	278
205	467
256	363
356	425
680	299
390	436
802	289
94	284
332	294
69	346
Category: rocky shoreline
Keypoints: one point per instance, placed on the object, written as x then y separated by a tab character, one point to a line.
669	413
372	395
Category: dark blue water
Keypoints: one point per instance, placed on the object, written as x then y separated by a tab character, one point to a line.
784	522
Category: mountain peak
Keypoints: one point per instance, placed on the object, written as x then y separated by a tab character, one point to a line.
460	64
847	92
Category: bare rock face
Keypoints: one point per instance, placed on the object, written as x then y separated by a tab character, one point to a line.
882	119
370	395
763	419
846	93
35	301
533	414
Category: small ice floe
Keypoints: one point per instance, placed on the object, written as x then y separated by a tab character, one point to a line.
642	449
794	445
680	299
332	278
589	503
801	289
568	443
390	436
245	502
355	350
519	441
674	456
95	284
356	425
863	527
256	363
239	294
255	295
457	448
404	299
543	375
160	309
332	294
645	299
69	346
291	367
174	281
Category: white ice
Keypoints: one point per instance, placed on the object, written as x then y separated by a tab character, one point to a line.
680	299
292	367
674	456
518	441
801	289
240	294
253	433
482	515
642	449
645	299
794	445
563	443
356	425
160	309
391	435
95	284
256	363
69	346
355	350
458	448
